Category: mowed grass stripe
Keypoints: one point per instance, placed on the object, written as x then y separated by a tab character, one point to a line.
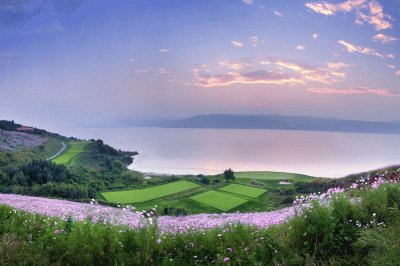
269	175
219	200
247	191
141	195
73	150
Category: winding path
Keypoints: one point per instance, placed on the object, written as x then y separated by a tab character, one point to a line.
64	146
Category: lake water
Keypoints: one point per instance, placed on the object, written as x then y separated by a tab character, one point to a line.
210	151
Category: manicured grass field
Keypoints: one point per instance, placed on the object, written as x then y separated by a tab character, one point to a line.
73	150
247	191
219	200
141	195
273	175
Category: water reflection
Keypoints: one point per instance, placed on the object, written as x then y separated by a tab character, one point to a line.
209	151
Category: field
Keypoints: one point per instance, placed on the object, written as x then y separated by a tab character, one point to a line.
72	151
247	191
273	175
219	200
146	194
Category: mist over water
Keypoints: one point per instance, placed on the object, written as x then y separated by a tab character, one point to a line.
210	151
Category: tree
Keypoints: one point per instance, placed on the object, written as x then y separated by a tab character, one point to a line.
229	174
205	180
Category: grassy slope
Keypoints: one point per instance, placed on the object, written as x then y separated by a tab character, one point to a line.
269	175
73	150
219	200
248	191
140	195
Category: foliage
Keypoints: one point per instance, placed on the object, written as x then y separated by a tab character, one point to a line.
229	174
342	232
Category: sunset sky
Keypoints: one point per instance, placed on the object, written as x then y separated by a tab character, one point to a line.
71	63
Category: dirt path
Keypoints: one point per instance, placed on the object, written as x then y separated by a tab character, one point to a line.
64	146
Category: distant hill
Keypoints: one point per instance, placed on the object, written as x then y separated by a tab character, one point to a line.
278	122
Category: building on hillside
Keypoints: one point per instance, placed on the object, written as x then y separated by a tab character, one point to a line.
25	129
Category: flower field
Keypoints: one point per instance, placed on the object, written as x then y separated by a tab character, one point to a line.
124	216
354	225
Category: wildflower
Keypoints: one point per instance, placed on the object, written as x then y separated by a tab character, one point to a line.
158	241
56	232
229	250
226	259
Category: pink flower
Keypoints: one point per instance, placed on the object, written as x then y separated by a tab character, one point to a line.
56	232
158	241
226	259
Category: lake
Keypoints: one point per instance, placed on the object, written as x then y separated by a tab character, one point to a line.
211	151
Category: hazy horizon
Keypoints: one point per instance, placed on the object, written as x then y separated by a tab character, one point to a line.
73	63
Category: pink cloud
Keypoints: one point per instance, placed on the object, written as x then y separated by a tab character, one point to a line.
237	44
352	48
369	11
268	71
383	38
355	91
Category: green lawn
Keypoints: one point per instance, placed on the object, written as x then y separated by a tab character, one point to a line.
273	175
71	152
247	191
219	200
141	195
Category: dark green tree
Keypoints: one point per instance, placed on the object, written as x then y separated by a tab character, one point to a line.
229	174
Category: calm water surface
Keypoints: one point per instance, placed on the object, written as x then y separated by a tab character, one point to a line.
210	151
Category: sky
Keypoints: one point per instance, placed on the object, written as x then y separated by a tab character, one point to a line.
76	62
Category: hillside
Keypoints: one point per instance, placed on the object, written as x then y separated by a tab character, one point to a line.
13	141
78	174
277	122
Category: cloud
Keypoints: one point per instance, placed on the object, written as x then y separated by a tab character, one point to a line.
277	13
132	60
337	65
398	73
163	50
162	70
391	56
248	2
300	47
237	44
369	11
355	91
352	48
250	77
230	65
391	66
308	73
267	71
383	38
315	36
142	71
323	8
254	40
376	16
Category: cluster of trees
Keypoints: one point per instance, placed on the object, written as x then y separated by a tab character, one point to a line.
100	168
9	125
